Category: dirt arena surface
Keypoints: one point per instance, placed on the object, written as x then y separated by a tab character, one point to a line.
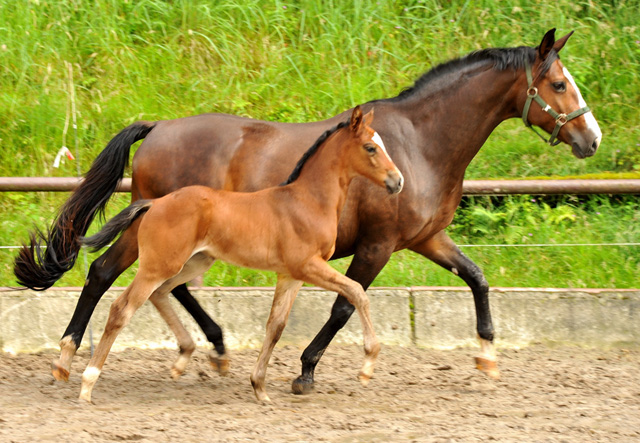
545	394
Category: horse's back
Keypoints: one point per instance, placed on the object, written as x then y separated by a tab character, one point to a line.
220	151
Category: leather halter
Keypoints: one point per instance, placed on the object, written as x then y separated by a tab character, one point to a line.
560	118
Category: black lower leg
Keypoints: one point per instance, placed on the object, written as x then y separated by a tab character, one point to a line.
97	283
340	314
369	259
211	330
474	277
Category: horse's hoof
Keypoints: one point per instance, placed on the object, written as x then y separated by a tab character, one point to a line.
58	372
302	386
487	366
220	364
364	379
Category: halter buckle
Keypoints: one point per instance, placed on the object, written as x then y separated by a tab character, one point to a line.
532	91
561	119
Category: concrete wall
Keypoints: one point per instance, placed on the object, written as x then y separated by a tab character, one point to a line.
426	317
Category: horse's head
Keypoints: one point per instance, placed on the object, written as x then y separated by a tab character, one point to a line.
368	155
560	108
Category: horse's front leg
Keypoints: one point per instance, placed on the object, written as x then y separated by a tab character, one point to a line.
286	290
443	251
102	273
367	263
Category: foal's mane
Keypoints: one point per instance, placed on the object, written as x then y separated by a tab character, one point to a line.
499	58
312	150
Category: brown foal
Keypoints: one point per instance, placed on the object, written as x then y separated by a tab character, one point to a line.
290	229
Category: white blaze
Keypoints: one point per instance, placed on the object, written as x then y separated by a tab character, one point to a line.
378	141
592	124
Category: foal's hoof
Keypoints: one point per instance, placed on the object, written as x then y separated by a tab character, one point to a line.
364	379
58	372
220	364
176	373
302	386
489	367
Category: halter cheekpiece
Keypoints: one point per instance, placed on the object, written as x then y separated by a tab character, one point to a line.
561	118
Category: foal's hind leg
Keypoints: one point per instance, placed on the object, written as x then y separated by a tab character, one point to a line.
220	360
122	309
102	273
286	290
185	342
443	251
196	265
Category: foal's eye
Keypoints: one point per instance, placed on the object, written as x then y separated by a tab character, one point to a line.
559	86
371	149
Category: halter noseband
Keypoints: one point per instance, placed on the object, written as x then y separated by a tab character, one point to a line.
561	119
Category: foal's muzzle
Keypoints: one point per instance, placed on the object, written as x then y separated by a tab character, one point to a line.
394	182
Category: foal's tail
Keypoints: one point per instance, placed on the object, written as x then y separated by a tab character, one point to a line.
116	225
39	269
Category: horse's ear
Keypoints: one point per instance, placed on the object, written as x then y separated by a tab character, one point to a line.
356	119
559	44
547	43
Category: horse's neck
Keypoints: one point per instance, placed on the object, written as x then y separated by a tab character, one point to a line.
455	122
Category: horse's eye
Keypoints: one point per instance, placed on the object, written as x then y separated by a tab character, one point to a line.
371	149
559	86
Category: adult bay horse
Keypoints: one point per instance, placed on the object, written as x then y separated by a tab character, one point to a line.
432	130
289	229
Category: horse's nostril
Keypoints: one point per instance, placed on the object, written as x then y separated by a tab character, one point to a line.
595	144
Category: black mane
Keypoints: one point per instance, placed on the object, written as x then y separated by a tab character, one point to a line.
499	58
312	150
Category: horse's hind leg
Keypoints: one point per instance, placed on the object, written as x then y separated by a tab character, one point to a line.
102	273
286	290
443	251
122	309
212	331
367	263
318	272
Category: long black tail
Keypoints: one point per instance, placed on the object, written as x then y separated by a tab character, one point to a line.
39	269
116	225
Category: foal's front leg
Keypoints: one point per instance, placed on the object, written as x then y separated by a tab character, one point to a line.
318	272
286	290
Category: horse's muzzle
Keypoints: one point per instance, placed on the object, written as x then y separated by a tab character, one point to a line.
587	150
394	182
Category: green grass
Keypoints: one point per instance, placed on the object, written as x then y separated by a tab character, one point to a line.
308	60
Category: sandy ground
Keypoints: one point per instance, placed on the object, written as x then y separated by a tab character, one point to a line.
559	394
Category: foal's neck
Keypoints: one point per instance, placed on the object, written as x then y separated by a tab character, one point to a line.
325	177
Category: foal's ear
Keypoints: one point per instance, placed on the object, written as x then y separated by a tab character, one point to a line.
356	119
368	118
559	44
547	43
